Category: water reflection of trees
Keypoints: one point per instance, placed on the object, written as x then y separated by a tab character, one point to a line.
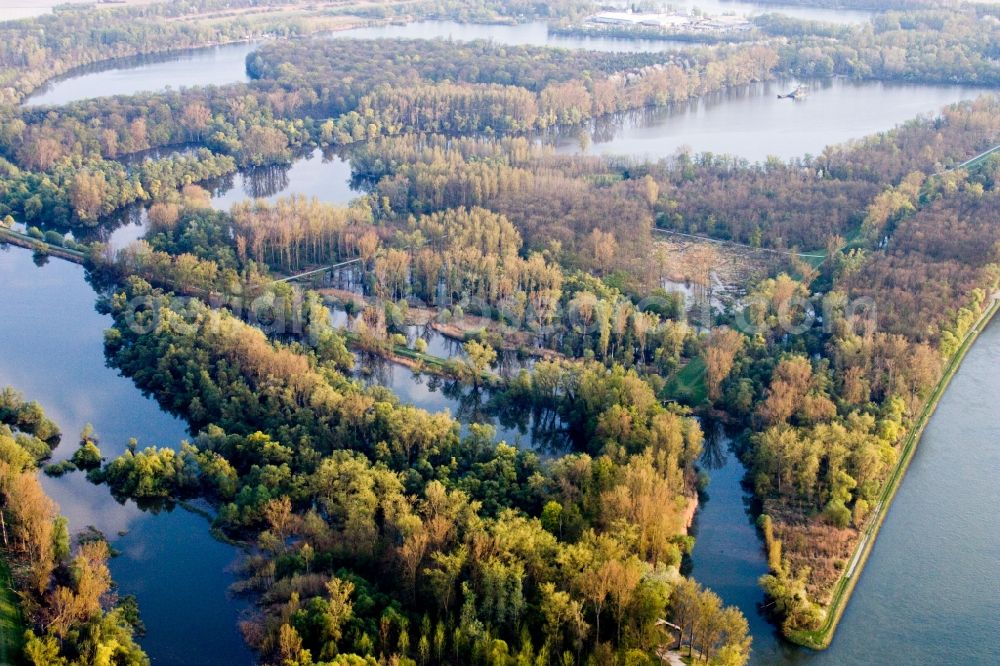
606	129
266	181
218	187
544	430
715	448
373	370
723	447
538	428
132	160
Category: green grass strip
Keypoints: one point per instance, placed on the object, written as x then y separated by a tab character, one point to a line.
11	621
688	384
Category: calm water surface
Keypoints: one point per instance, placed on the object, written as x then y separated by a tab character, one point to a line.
751	122
433	393
928	594
327	177
728	556
714	7
525	34
217	65
466	405
51	349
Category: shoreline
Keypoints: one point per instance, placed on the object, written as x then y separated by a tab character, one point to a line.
29	243
820	639
110	62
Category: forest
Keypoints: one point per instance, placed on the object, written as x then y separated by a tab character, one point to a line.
379	532
827	408
342	486
827	429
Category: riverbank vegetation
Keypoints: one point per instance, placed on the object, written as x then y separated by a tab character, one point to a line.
828	430
381	531
66	605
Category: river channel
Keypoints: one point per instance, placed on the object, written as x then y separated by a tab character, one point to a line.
51	349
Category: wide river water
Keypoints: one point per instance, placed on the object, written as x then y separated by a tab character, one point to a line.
752	123
927	594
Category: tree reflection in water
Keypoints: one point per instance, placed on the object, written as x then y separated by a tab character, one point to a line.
539	429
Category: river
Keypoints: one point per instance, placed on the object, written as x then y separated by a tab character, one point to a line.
216	65
927	594
51	350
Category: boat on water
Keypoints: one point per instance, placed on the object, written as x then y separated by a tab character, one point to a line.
798	93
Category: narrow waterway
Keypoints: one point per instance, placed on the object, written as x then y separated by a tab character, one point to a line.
51	350
467	405
543	433
728	555
928	594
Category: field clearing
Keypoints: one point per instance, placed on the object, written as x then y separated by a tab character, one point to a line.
683	259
